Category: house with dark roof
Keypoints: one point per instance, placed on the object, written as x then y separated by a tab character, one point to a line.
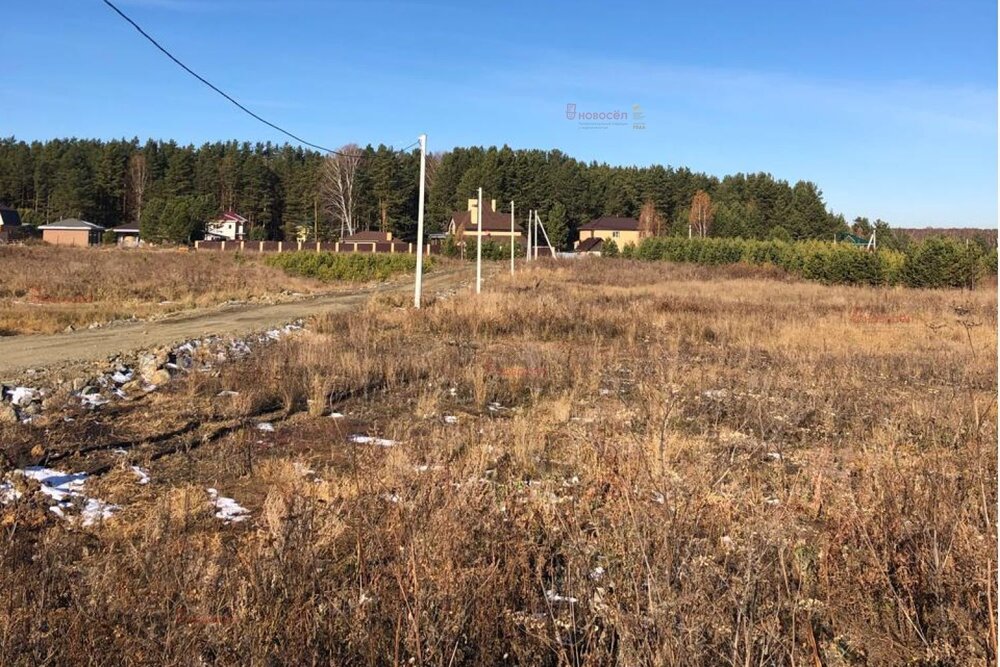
620	230
464	225
72	231
10	225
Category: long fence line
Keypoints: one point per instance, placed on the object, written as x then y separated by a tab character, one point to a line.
390	247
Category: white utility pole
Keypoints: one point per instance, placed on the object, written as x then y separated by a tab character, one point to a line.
512	237
527	230
420	223
534	246
479	244
547	242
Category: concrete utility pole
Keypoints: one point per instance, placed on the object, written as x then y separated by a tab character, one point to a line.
512	237
420	223
479	244
527	231
546	234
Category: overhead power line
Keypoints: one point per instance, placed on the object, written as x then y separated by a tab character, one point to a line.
223	93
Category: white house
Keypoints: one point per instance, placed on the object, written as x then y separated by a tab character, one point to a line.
230	227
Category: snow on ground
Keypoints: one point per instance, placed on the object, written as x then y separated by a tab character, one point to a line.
23	396
372	440
66	492
228	509
267	427
142	476
450	419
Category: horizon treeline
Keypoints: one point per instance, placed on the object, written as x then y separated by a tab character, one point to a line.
172	189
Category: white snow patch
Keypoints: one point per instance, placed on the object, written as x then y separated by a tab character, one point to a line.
336	415
267	427
597	573
228	392
372	440
552	596
23	396
66	489
142	476
229	510
121	377
450	419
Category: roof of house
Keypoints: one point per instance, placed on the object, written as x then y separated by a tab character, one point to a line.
368	236
70	224
9	216
613	224
126	229
492	221
590	245
231	216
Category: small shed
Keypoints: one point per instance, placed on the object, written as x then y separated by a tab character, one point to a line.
72	232
127	236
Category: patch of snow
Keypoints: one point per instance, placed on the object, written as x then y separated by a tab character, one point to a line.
122	376
597	573
228	392
658	498
141	475
552	596
66	490
336	415
372	440
23	396
267	427
228	509
715	394
773	456
92	400
450	419
772	501
392	497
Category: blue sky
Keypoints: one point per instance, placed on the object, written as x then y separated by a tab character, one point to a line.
891	107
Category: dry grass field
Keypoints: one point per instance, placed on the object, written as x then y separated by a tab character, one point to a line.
46	288
596	463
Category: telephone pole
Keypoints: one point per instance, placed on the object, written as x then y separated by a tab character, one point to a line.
479	244
419	283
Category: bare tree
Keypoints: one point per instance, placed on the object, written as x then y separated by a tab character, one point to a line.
650	220
337	185
702	213
138	179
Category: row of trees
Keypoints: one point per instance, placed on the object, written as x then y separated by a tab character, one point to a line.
168	188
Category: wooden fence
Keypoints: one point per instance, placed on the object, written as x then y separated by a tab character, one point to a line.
391	247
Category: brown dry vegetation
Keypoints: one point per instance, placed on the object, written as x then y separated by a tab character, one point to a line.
44	289
731	471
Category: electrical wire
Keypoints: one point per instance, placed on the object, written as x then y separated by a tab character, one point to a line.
226	95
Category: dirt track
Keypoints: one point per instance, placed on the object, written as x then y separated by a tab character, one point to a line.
18	353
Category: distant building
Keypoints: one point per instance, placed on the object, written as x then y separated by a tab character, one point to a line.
72	232
495	225
368	237
620	230
590	246
230	227
10	225
127	236
9	217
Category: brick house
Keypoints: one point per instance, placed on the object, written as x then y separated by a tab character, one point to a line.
72	232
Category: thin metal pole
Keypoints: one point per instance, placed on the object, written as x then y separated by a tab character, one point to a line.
479	244
419	283
512	237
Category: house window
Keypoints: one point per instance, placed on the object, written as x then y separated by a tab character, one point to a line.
615	235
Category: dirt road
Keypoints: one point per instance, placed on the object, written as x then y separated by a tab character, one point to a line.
18	353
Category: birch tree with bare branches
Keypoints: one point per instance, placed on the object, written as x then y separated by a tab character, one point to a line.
650	220
337	186
702	213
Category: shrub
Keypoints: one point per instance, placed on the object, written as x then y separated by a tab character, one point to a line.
352	267
609	248
943	262
934	263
